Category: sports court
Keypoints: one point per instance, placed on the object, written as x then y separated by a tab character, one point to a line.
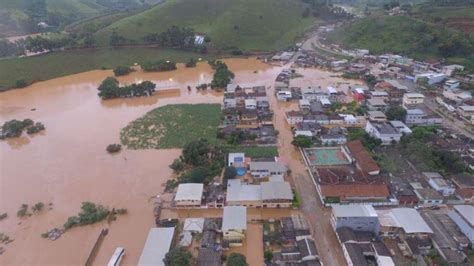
326	156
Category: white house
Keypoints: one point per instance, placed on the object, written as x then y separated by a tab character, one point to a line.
304	104
383	131
189	195
234	224
438	183
432	78
400	126
284	95
375	104
451	84
250	104
410	99
236	159
158	243
231	87
267	169
377	116
294	117
457	95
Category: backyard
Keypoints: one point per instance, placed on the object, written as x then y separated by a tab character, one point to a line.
172	126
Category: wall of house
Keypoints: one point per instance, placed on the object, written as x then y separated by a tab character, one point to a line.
465	228
358	223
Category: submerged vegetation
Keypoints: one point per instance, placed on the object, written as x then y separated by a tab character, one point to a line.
172	126
110	89
160	65
113	148
222	75
14	128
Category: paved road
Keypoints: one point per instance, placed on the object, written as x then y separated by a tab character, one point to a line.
456	124
317	215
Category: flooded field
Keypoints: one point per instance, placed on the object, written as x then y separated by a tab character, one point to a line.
67	164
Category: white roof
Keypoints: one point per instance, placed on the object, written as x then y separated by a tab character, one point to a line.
270	166
304	102
193	225
189	191
236	191
376	114
354	211
157	244
415	112
385	261
325	101
236	157
467	108
467	212
250	101
414	95
332	90
276	190
408	219
379	93
235	218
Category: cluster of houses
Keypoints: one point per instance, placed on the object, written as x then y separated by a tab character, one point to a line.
363	232
247	115
259	184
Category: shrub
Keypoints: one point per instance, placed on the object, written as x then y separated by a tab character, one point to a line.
23	211
123	70
230	172
177	166
38	207
21	83
113	148
191	62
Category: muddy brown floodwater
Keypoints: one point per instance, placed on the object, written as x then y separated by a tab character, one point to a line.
67	164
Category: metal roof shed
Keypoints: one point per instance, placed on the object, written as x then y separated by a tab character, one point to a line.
157	244
235	218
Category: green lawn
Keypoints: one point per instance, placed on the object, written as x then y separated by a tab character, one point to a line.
66	63
256	152
173	126
248	25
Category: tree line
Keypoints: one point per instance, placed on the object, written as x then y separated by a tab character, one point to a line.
110	89
14	128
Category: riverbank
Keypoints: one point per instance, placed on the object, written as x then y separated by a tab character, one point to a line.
58	64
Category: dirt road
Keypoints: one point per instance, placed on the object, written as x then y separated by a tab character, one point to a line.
319	217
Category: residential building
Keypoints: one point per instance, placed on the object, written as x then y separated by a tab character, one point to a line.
415	116
250	104
463	216
383	95
449	69
333	136
229	103
466	110
457	95
157	244
451	84
438	183
376	104
249	118
413	99
356	217
231	87
239	194
189	195
432	78
400	126
267	169
304	104
406	221
237	160
234	225
428	197
294	117
377	116
284	95
383	131
276	194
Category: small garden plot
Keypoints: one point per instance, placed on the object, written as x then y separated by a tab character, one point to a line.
172	126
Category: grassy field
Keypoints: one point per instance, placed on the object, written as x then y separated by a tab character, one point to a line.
246	24
400	34
173	126
65	63
256	152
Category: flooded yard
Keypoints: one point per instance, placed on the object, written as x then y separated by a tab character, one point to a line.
67	164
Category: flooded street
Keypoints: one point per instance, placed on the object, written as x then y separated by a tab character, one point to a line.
67	164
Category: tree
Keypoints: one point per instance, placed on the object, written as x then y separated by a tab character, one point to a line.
200	174
236	259
116	39
302	141
113	148
90	41
222	76
21	83
37	207
396	113
230	172
122	70
108	88
370	79
178	257
160	65
196	153
191	62
177	166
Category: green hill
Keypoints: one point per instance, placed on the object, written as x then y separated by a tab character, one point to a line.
21	16
246	24
407	36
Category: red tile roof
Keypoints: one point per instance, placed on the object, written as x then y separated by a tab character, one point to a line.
465	193
355	190
363	159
